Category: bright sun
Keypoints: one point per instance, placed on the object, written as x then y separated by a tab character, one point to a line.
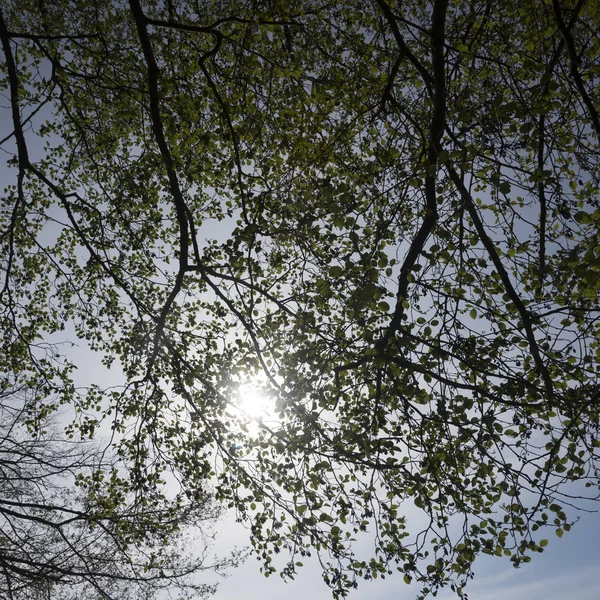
253	401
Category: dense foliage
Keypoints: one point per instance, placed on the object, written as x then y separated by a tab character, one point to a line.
388	211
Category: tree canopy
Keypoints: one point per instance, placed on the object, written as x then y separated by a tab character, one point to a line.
72	525
388	212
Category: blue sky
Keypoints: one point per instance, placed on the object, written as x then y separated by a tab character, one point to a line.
569	568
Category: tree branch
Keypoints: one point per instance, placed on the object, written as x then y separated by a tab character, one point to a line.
179	201
575	60
510	290
436	131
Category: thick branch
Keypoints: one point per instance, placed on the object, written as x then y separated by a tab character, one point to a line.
23	156
438	122
159	135
402	46
542	197
564	30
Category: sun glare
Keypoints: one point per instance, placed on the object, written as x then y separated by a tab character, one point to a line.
253	401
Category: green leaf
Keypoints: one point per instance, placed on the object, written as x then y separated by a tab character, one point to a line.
504	187
583	217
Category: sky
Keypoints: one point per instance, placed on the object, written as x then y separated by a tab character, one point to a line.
568	568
